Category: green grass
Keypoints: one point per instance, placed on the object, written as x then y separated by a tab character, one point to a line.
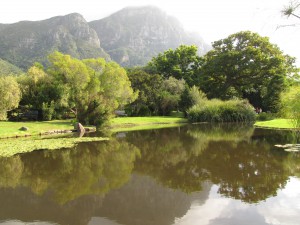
9	147
276	123
127	122
11	129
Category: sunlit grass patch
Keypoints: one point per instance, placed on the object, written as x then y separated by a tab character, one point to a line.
11	129
121	121
276	123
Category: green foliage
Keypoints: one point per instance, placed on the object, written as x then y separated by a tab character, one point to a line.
170	95
7	68
222	111
264	116
10	95
291	105
157	96
181	63
92	88
149	87
191	96
48	110
39	89
246	65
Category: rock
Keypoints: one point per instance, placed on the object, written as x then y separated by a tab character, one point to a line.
79	128
24	129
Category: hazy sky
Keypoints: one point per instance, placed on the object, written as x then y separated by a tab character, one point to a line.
212	19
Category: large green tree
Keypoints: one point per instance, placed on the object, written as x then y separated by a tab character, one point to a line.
39	89
93	88
149	88
10	95
181	63
246	65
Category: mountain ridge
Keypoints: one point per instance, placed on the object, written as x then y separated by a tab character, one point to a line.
131	37
151	32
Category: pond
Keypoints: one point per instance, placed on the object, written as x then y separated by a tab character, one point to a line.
193	174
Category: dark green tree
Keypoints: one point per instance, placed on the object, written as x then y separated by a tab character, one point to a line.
149	88
246	65
181	63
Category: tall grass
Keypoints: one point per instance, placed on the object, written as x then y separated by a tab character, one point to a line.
222	111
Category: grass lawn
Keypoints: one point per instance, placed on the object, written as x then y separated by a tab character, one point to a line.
276	123
11	129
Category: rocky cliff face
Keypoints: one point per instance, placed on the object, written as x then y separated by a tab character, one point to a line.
130	37
133	36
25	42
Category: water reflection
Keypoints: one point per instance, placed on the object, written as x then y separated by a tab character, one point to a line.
93	168
161	177
243	168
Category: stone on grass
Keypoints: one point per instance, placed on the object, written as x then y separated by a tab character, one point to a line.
24	129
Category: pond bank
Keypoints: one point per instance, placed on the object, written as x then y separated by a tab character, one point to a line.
12	129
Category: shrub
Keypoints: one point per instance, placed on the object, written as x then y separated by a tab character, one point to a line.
222	111
265	116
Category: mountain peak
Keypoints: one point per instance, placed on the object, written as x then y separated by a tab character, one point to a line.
133	35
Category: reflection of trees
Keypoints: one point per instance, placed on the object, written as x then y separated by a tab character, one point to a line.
91	168
167	153
247	172
244	168
11	170
292	164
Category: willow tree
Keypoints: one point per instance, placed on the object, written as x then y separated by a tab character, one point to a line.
10	95
246	65
93	88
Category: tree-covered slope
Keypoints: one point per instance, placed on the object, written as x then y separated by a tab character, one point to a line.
25	42
133	36
7	68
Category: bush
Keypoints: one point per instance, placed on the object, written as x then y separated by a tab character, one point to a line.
265	116
222	111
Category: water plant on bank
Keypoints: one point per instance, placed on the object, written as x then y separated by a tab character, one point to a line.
222	111
11	147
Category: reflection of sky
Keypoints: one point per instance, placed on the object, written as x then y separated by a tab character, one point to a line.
217	210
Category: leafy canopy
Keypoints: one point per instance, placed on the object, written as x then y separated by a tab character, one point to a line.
181	63
246	65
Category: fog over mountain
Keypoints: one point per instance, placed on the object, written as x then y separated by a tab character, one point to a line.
134	35
130	37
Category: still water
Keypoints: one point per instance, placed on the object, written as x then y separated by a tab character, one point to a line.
196	174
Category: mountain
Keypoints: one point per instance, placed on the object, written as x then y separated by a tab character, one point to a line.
7	68
26	42
130	37
134	35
